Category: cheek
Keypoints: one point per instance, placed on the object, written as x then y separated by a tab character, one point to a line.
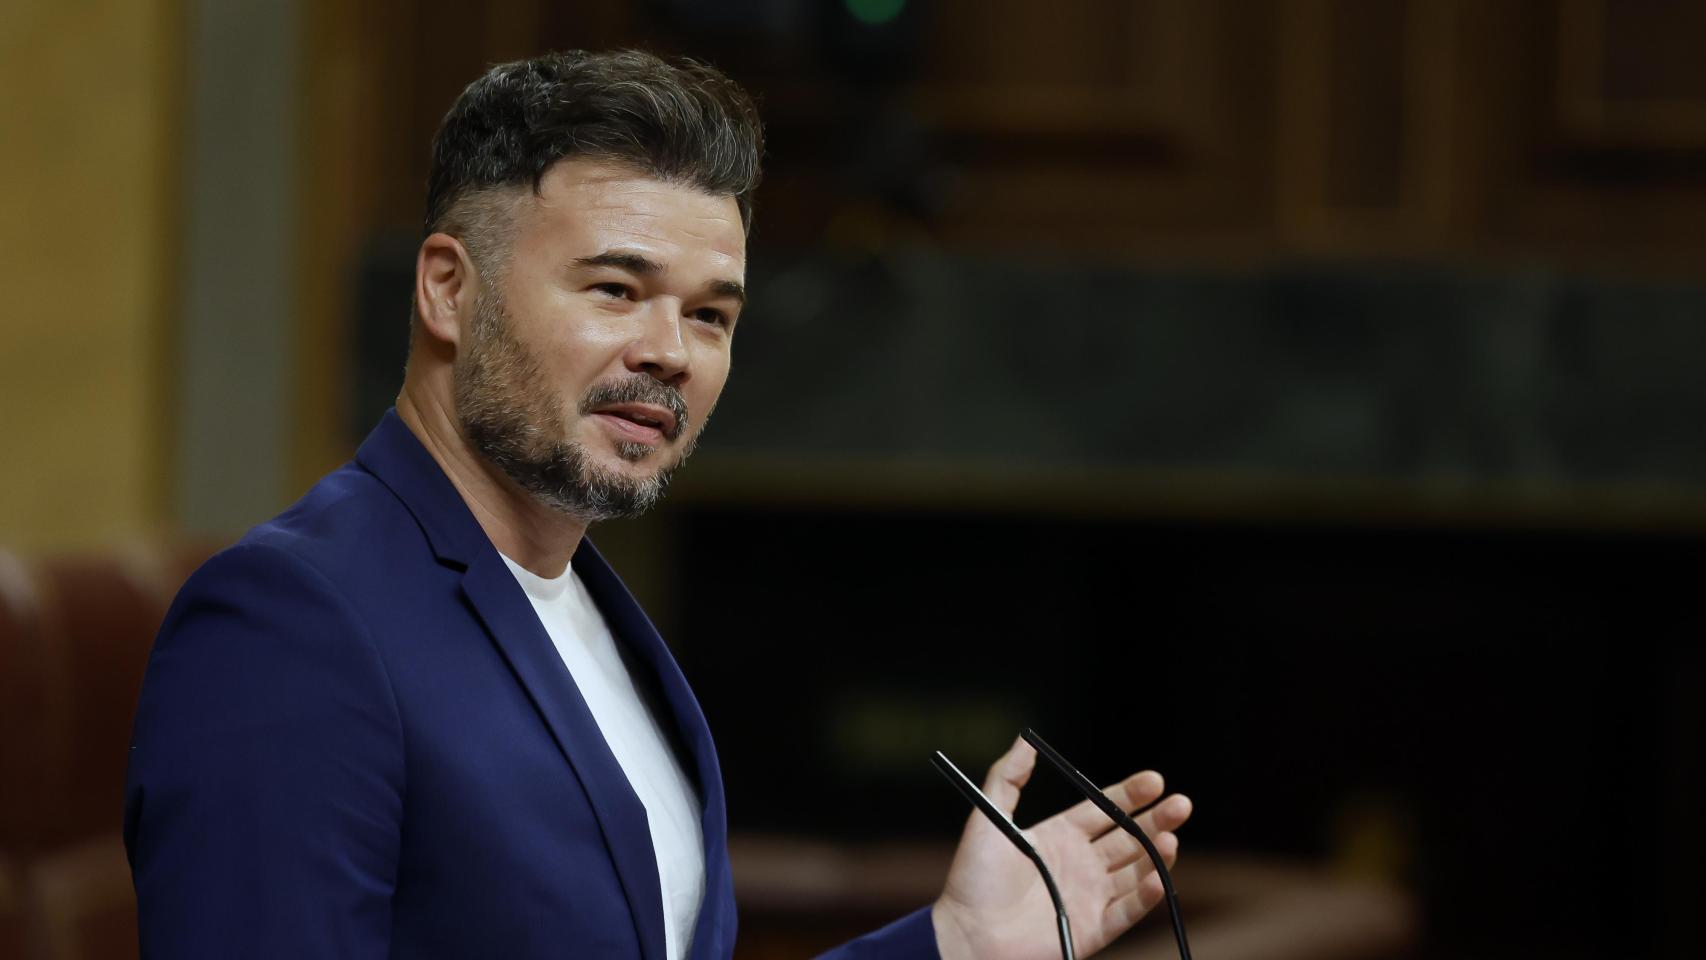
707	383
579	349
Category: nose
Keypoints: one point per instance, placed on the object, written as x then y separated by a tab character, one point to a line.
659	346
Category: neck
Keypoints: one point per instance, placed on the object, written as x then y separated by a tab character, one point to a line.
523	529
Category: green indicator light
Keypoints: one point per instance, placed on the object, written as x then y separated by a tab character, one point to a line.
874	12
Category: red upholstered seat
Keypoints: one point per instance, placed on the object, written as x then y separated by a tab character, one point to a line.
75	632
25	710
99	615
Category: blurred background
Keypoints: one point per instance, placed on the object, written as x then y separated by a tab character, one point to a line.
1300	397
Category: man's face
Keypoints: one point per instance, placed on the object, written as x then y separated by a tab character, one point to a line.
591	366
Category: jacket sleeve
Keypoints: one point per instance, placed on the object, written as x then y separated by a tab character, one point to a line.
912	937
264	799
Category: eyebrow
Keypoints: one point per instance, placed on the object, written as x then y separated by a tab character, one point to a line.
647	267
729	288
631	262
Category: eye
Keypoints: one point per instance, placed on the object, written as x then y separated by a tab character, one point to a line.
708	315
618	291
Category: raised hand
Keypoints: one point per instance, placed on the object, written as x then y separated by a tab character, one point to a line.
995	906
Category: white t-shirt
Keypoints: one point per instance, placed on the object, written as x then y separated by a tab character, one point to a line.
672	805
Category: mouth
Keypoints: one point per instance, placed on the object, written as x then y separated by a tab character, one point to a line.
638	422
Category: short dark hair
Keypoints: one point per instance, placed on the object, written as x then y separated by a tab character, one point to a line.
676	120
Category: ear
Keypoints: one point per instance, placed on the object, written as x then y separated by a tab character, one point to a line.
444	288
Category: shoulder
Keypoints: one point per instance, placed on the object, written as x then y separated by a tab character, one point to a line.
266	635
257	618
303	583
344	523
347	539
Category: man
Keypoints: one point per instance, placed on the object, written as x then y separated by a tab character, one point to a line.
416	715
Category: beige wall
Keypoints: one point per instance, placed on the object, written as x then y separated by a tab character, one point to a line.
87	260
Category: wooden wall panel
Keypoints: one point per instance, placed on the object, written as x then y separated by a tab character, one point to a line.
1596	152
1279	126
88	183
1633	73
1368	113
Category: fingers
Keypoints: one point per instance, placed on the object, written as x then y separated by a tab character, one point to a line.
1118	848
1125	910
1132	876
1009	774
1137	889
1129	794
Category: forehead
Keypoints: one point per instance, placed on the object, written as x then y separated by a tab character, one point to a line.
585	207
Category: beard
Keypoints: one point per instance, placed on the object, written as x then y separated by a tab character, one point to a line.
510	415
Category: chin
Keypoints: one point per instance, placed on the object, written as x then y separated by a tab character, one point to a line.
639	467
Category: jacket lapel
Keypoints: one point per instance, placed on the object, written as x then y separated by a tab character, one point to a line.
516	629
393	455
713	936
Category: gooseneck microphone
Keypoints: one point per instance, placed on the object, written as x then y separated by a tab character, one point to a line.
1092	793
1014	836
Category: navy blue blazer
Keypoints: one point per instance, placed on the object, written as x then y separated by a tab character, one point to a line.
355	739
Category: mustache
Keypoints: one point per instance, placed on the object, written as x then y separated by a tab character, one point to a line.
639	388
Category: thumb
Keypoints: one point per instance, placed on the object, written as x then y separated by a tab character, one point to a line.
1009	774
